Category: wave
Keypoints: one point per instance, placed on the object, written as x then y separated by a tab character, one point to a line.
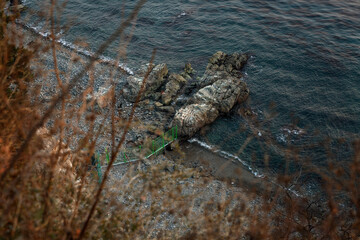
79	50
227	155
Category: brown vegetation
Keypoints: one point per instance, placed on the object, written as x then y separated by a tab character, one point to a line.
48	192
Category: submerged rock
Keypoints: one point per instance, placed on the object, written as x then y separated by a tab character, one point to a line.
154	81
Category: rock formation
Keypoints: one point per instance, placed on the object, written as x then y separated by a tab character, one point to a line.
221	88
154	81
193	117
220	65
211	95
175	83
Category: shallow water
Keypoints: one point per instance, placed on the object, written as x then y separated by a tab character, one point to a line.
305	60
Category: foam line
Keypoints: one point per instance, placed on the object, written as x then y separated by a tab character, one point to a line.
79	50
227	155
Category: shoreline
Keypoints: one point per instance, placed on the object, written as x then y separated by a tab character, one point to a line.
193	155
196	156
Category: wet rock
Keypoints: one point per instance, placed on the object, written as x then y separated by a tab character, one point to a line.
154	81
175	83
186	76
217	58
243	96
222	61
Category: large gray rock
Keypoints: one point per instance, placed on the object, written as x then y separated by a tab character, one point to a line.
193	117
220	65
221	90
210	77
225	62
154	81
176	82
223	94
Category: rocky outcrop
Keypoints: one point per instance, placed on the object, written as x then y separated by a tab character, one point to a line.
221	89
188	71
215	93
193	117
222	94
175	83
154	81
222	64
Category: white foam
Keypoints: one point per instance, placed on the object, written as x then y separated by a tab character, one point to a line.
295	131
181	14
227	155
281	138
78	49
203	144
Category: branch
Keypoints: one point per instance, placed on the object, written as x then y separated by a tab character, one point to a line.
67	89
114	153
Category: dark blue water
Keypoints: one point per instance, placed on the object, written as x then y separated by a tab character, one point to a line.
305	65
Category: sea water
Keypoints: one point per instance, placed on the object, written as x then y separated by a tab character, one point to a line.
303	74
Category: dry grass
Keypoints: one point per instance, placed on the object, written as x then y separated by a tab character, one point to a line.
48	192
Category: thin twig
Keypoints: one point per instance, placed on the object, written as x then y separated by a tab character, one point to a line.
113	155
67	89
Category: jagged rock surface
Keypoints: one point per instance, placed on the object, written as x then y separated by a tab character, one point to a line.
222	94
155	80
222	64
221	89
176	82
193	117
218	90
